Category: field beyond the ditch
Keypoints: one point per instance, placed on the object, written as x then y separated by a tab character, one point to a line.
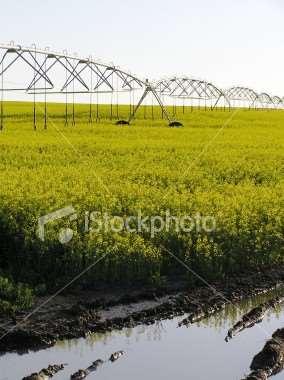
223	164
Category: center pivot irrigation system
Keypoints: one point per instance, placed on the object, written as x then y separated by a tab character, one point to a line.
41	73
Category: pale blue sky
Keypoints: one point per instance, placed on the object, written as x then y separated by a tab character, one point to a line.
226	41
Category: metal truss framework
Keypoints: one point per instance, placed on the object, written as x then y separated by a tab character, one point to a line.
188	88
277	101
43	63
253	99
264	99
45	72
242	94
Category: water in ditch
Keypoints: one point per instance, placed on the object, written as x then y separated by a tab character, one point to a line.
159	352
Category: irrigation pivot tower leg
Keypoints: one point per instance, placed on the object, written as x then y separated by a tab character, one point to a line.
149	89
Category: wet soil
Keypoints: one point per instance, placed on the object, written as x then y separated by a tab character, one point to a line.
76	315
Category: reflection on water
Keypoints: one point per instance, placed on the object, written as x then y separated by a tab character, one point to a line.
160	351
230	315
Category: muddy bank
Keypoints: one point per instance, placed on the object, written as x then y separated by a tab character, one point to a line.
51	370
75	316
270	361
45	373
83	373
255	316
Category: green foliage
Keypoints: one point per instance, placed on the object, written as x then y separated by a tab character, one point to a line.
14	297
223	164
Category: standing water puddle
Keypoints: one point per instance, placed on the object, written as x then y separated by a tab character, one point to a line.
159	352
